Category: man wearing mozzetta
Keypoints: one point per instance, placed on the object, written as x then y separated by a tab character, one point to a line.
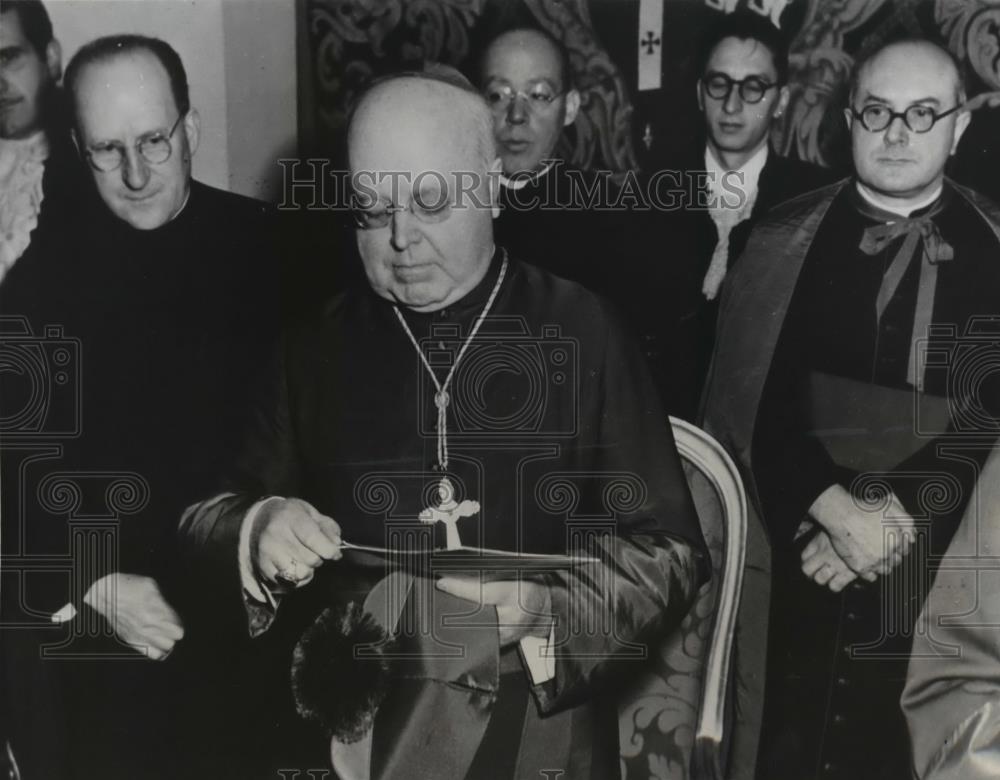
464	386
839	384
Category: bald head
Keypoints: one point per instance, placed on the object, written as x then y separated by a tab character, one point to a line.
545	54
418	110
422	162
900	57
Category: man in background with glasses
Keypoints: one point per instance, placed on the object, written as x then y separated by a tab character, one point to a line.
736	177
843	382
547	216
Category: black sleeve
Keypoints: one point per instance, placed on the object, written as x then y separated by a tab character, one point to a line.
791	467
649	569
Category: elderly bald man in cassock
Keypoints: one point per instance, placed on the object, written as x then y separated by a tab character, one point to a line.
463	386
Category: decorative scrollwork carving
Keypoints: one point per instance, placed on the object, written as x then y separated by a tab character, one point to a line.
972	30
604	124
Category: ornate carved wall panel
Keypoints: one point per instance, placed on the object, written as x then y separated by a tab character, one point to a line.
345	43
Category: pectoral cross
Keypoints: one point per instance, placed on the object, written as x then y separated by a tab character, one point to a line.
449	512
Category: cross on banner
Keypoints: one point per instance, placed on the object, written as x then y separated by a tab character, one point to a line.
650	38
650	42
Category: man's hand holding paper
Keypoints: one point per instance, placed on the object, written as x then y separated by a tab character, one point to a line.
290	539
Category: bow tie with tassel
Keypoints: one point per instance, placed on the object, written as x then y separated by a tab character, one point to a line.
922	239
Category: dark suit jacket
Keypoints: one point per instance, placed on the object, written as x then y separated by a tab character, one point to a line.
561	222
675	320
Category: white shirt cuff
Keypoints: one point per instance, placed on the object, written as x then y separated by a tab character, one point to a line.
539	656
253	587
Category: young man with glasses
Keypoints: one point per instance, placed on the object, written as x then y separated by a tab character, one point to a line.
737	177
839	381
742	90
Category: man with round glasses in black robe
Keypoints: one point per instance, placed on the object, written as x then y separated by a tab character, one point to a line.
851	383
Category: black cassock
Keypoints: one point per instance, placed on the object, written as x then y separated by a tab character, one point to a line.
838	408
558	220
555	429
145	342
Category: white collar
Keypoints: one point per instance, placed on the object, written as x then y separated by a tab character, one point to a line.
523	180
751	171
903	211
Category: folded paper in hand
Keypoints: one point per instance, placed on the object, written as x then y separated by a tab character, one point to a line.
493	564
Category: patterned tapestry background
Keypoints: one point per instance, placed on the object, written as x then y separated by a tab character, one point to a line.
344	43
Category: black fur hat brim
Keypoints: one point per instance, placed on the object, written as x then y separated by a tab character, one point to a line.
333	683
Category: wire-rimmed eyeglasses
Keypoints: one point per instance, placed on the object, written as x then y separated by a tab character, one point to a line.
539	97
379	214
155	148
751	89
918	118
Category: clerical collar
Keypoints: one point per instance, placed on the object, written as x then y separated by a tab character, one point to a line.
180	211
520	180
750	171
166	229
884	204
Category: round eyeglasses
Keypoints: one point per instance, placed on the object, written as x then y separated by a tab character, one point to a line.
154	148
539	97
919	119
751	89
